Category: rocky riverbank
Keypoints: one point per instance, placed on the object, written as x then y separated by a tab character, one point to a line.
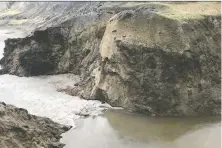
161	59
20	129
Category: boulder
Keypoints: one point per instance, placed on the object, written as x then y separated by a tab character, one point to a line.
160	66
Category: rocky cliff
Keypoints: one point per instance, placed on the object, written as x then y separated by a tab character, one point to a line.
162	59
21	130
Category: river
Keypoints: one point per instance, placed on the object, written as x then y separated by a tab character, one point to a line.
114	128
119	129
40	97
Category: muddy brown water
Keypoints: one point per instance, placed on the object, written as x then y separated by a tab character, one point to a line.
120	129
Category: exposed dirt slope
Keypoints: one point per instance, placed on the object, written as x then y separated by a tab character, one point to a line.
19	129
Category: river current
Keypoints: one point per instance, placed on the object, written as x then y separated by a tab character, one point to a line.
114	128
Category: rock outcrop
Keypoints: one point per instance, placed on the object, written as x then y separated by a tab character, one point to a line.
155	58
161	66
35	55
21	130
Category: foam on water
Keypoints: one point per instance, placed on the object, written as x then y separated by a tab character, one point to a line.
39	96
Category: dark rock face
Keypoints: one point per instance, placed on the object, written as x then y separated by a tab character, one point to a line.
36	55
161	83
134	58
20	129
160	75
71	47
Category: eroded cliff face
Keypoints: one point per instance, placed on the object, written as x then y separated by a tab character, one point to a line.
20	129
35	55
161	66
144	58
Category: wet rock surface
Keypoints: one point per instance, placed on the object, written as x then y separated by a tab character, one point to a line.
20	129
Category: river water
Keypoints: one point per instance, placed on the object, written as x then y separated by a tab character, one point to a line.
119	129
39	94
114	128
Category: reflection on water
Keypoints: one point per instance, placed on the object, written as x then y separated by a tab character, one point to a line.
118	129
